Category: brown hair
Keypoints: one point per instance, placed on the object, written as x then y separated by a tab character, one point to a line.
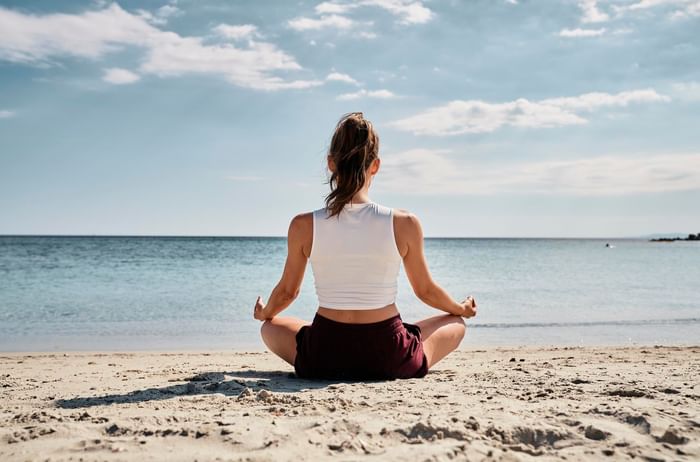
353	148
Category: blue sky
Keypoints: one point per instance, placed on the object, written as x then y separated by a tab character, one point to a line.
496	118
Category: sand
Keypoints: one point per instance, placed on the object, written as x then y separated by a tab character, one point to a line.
494	404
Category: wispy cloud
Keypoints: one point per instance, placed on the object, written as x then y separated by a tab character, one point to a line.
687	91
408	11
167	11
340	77
161	15
689	10
334	21
474	116
591	12
680	8
39	39
336	15
644	4
5	114
240	32
118	76
440	172
375	94
334	7
578	32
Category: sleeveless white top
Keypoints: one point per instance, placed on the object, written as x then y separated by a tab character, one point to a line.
354	257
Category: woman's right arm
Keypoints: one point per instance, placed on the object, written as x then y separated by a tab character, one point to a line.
428	291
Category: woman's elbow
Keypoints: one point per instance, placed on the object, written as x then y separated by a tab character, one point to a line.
288	295
423	293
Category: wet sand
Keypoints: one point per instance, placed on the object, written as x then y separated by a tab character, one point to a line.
638	403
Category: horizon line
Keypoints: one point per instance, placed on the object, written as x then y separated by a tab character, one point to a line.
250	236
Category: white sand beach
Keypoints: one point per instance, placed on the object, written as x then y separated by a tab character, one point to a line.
560	403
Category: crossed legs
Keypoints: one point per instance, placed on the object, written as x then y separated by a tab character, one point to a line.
441	335
279	334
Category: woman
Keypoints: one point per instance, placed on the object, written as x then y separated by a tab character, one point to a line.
356	247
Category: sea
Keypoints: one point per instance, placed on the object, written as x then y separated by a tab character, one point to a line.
197	293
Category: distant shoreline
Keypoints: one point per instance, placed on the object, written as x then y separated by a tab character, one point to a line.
184	236
691	237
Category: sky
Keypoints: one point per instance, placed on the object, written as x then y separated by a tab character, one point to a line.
496	118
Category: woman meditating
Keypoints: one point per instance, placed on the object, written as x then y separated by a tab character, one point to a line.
356	247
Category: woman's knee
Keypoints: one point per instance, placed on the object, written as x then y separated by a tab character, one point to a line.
265	330
458	328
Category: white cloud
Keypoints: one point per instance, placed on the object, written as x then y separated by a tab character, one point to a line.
339	77
39	39
687	91
167	11
376	94
333	7
333	15
689	10
161	15
324	22
596	100
645	4
581	32
29	38
240	32
474	116
408	11
426	171
119	76
683	8
5	114
591	13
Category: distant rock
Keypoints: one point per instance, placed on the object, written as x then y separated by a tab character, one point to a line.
691	237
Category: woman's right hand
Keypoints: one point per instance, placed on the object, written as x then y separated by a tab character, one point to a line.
259	309
469	307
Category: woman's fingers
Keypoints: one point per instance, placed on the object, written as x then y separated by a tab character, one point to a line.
469	307
257	310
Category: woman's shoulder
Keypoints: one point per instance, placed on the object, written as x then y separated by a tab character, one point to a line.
405	220
404	215
303	218
301	222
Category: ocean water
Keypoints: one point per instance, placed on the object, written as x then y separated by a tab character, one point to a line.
140	293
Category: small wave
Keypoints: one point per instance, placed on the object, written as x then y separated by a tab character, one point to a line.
638	322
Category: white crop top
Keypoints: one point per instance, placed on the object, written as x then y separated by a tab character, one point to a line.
354	257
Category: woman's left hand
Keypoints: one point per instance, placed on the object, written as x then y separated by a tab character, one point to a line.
259	310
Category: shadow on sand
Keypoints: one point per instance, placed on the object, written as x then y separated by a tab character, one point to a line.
204	384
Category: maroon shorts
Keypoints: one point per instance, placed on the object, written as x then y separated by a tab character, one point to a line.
389	349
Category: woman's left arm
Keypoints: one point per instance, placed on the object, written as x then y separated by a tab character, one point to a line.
287	289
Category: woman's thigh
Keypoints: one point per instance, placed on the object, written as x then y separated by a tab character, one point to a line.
279	334
441	335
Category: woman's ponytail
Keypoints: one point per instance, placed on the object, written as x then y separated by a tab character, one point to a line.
353	148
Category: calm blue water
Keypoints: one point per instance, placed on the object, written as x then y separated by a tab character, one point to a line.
73	293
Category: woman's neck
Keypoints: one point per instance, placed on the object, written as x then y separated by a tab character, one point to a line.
361	196
360	200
